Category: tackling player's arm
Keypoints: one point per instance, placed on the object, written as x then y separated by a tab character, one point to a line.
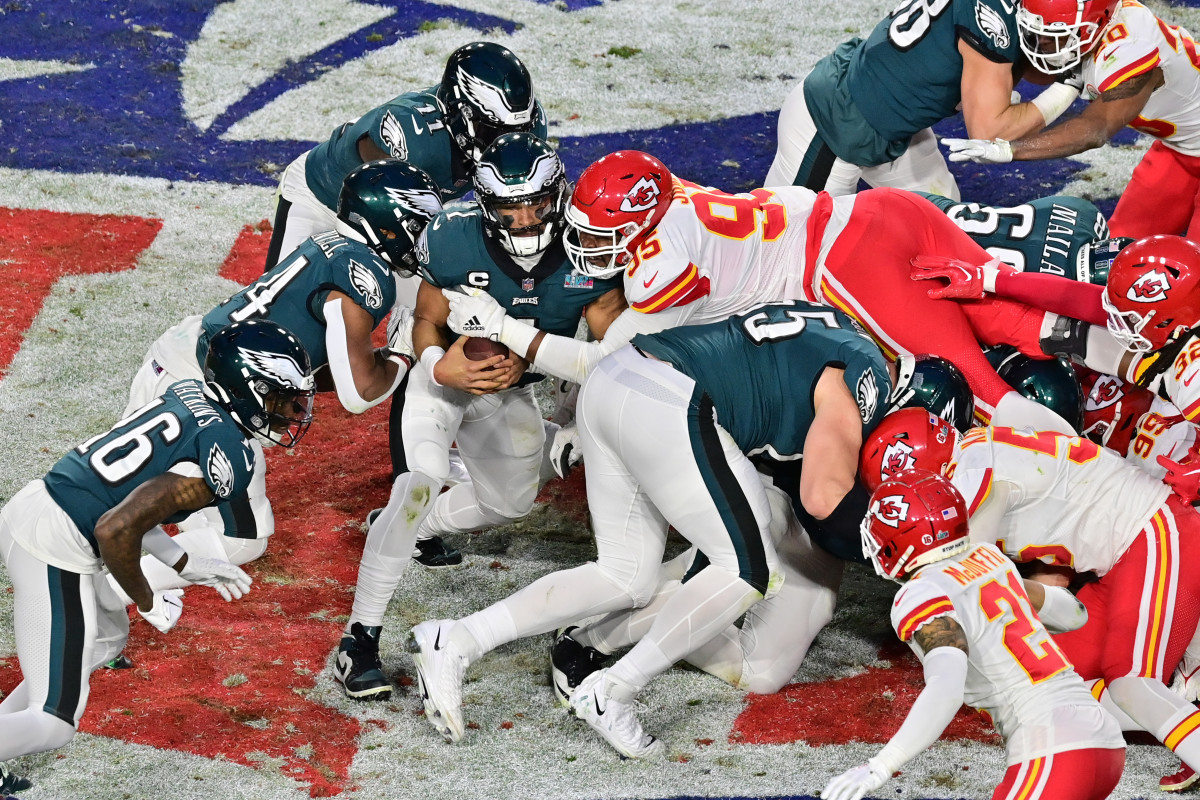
1095	125
445	361
120	530
987	106
833	441
362	376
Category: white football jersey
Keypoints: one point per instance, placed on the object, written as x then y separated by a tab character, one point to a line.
716	254
1015	672
1070	502
1179	382
1161	431
1135	42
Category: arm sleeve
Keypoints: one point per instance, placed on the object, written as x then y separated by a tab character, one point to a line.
339	363
935	707
159	544
1054	293
572	359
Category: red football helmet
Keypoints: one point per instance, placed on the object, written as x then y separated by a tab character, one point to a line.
618	200
1111	409
914	519
1153	292
1055	34
910	438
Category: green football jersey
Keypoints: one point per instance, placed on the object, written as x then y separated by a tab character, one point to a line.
760	370
1043	235
293	293
410	127
181	427
455	251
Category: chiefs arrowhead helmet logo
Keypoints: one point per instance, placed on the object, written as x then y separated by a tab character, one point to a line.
897	457
642	197
1106	391
1150	288
891	510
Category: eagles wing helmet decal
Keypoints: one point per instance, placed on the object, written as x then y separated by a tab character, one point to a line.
283	369
991	23
427	203
493	101
545	171
393	136
364	281
220	472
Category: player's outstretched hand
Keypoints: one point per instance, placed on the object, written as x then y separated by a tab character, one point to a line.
1183	476
229	581
853	784
474	312
964	280
981	151
167	608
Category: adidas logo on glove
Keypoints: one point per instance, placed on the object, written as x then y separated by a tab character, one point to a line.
473	325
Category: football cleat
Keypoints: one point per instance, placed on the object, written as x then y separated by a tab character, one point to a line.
440	670
1181	781
570	663
12	783
612	719
434	553
120	661
357	666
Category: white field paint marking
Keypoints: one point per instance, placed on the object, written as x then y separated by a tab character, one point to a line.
13	69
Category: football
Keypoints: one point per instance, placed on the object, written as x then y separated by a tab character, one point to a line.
479	349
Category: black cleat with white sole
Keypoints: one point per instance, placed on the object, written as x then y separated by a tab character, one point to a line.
357	666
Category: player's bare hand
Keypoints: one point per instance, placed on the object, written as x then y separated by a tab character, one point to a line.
456	371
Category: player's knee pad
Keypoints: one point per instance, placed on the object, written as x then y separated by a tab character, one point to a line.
243	551
639	582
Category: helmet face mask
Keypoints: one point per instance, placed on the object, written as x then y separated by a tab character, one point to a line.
386	204
260	373
1056	34
1153	292
486	92
522	189
615	207
914	519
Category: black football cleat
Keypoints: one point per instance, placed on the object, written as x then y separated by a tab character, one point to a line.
570	663
12	783
357	666
434	553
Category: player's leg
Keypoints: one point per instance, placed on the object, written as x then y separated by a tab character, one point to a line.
1160	197
54	623
802	158
1087	774
501	442
298	214
1156	606
431	421
867	275
920	168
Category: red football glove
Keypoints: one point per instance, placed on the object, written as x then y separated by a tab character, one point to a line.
1183	476
966	281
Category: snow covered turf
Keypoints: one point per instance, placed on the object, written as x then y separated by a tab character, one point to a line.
161	129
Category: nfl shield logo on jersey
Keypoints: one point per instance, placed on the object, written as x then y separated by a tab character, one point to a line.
527	284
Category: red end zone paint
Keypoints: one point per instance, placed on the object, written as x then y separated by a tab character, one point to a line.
39	247
245	261
866	708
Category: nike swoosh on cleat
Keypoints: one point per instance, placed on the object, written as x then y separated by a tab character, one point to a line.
437	641
596	702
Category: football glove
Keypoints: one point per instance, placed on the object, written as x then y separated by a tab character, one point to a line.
853	784
981	151
1186	681
399	334
229	581
1183	476
967	281
167	608
474	312
565	452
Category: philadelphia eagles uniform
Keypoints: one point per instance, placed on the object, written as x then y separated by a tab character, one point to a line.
1043	235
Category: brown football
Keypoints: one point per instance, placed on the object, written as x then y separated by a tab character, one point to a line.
478	349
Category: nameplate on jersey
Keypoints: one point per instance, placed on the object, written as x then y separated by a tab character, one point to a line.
574	280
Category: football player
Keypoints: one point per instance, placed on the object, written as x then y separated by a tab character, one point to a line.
1072	505
865	110
690	255
102	503
510	246
331	293
795	380
972	624
1137	70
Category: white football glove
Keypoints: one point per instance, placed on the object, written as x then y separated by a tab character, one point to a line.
167	608
474	312
229	581
853	784
1186	681
565	451
399	332
981	151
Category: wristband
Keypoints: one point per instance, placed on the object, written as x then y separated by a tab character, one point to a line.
430	356
1055	100
159	544
517	336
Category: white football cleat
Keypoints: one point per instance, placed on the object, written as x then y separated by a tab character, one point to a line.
612	719
440	670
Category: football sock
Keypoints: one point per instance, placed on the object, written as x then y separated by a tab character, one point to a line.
1171	718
